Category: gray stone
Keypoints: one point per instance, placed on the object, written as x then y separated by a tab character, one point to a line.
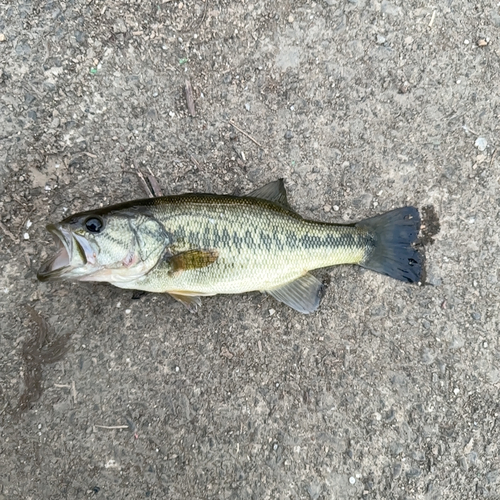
119	26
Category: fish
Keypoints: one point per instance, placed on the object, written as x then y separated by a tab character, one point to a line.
193	245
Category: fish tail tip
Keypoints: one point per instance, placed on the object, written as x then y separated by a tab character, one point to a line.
393	252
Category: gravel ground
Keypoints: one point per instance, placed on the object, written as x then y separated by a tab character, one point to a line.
389	390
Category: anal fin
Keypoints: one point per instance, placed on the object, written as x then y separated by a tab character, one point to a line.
192	302
303	294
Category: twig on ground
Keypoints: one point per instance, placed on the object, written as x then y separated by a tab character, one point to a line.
189	98
6	231
493	157
144	183
245	134
155	187
73	391
111	427
149	183
193	159
431	22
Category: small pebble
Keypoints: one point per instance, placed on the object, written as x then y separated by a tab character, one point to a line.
396	470
481	143
119	26
472	457
79	36
271	312
413	473
26	236
2	37
288	134
352	479
128	311
336	208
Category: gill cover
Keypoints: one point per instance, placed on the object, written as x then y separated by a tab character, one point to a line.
116	246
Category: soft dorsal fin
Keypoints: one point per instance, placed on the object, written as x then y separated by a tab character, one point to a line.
274	191
303	294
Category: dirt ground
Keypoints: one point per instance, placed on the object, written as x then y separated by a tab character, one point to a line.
389	391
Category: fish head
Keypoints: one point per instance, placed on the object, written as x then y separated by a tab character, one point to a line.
114	246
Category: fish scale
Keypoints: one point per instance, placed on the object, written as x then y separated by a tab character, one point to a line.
282	247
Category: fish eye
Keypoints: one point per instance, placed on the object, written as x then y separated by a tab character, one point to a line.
94	224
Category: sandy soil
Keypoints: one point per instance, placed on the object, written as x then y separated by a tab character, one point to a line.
389	390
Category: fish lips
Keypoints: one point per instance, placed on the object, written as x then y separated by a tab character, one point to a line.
60	265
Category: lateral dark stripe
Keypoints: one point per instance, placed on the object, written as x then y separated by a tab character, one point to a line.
291	240
249	239
265	240
237	241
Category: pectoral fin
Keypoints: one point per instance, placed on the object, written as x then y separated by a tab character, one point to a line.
191	259
303	294
192	302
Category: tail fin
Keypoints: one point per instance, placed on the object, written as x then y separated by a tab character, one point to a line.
393	235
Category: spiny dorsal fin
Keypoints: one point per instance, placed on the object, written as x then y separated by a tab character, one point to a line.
274	191
303	294
192	259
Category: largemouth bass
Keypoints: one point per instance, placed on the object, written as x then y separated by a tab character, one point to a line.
193	245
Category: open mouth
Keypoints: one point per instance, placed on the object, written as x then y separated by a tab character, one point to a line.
60	263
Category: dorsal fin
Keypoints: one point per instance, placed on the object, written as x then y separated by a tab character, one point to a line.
274	191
